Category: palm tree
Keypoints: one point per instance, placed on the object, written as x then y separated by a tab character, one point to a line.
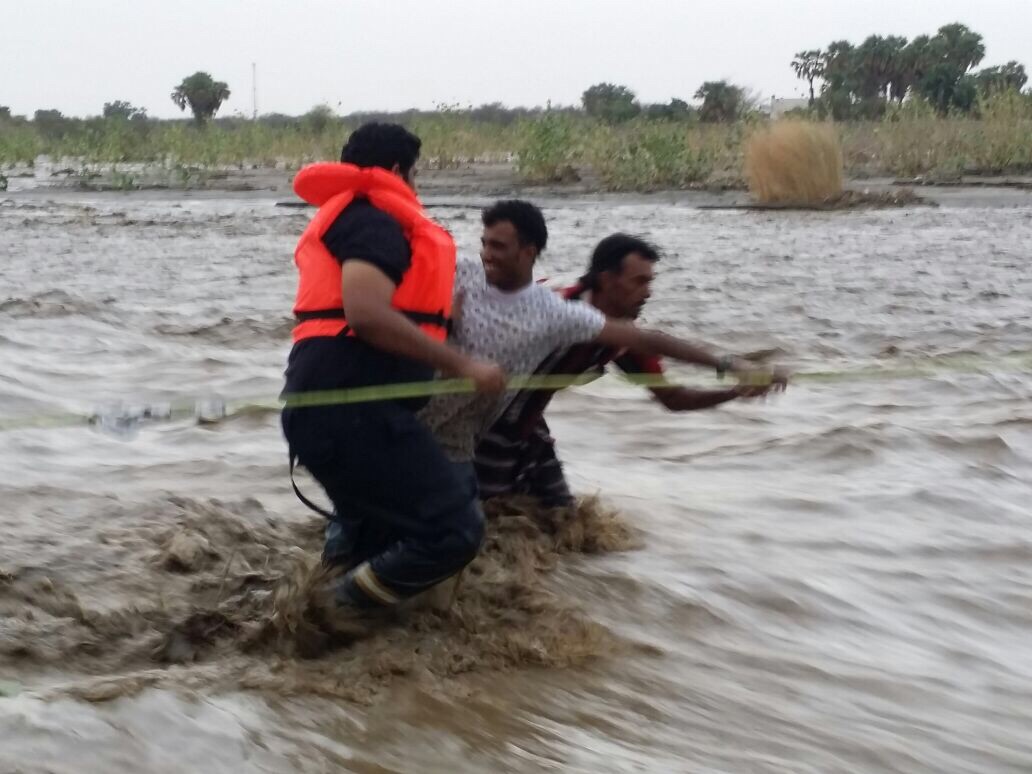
941	66
963	48
839	73
867	67
893	47
722	102
1008	77
838	63
901	75
203	94
914	62
809	66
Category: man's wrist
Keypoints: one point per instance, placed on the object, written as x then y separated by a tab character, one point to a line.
453	362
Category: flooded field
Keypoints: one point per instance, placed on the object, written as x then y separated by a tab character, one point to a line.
838	580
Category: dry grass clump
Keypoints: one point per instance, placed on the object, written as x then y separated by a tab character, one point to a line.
794	162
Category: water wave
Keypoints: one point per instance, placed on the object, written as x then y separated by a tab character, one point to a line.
232	590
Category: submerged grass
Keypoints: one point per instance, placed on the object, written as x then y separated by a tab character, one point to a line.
220	596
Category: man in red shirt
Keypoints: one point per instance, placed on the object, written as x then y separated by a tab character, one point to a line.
517	455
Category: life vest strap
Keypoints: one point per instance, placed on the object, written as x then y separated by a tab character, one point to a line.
440	319
308	503
319	314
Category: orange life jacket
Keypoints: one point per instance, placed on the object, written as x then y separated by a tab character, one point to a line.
425	292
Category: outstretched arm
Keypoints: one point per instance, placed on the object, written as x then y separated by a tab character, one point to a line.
626	335
687	399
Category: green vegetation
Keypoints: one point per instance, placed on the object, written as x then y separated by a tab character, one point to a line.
550	147
722	103
913	140
610	103
864	81
203	94
650	155
897	108
809	66
124	110
643	153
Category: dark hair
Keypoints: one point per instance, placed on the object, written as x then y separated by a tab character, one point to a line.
382	145
525	218
610	253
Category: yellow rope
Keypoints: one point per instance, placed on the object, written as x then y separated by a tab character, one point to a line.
1017	363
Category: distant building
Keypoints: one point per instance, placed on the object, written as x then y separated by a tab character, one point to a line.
779	106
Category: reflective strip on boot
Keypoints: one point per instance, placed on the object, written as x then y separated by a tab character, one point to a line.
367	581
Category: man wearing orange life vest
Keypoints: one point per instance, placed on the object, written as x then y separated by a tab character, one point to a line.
373	305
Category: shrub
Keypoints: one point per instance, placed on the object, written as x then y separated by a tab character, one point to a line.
794	162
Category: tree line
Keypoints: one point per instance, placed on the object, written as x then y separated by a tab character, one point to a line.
199	92
861	81
845	81
612	103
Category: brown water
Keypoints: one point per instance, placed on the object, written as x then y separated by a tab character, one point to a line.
836	581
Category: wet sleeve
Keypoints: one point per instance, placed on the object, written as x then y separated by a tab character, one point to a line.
365	233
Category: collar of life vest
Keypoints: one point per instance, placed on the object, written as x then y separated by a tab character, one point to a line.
318	183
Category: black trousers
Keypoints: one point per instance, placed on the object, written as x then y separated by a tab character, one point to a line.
405	515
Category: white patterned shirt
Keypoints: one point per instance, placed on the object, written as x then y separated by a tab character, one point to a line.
517	331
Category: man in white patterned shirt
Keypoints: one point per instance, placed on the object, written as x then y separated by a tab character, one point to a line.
506	318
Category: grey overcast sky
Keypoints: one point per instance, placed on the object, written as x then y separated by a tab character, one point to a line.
74	55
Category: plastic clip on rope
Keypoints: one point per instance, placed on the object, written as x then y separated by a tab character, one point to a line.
125	423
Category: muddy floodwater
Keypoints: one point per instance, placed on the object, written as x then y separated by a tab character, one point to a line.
837	580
